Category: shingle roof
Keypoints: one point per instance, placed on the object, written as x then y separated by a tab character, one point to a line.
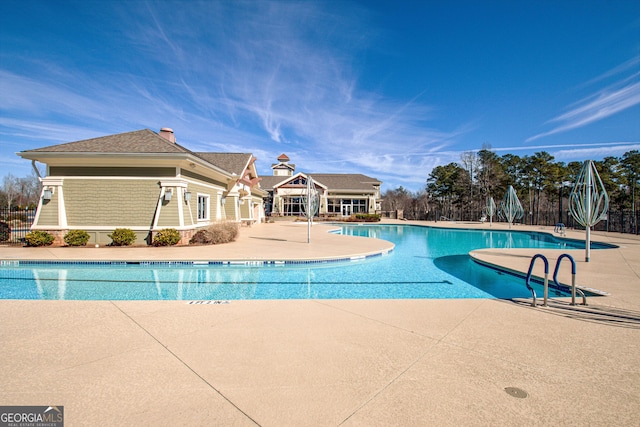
345	181
139	141
268	182
146	141
230	162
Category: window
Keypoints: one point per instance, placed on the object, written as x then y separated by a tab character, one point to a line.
346	207
333	206
299	181
293	206
203	207
360	206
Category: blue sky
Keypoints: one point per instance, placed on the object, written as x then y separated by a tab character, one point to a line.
385	88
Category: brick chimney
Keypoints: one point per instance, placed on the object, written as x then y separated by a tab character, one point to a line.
167	133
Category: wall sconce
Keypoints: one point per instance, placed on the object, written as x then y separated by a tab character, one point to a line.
223	201
46	194
167	194
187	196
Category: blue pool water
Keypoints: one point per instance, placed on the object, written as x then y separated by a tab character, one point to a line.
426	263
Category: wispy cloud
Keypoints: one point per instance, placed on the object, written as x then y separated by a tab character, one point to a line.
287	71
605	102
255	76
595	152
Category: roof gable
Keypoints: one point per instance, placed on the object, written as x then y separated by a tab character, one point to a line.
330	181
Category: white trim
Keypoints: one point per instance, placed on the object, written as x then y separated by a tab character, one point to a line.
185	227
102	178
62	211
173	182
207	198
299	174
189	206
156	217
220	206
181	202
39	208
52	181
91	227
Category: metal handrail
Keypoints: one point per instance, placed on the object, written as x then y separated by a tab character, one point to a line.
560	229
546	279
573	279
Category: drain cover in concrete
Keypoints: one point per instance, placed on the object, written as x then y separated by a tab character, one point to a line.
516	392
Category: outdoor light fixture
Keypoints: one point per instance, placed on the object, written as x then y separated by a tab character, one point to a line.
46	194
223	201
187	196
167	194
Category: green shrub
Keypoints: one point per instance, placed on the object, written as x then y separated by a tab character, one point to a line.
367	217
39	238
122	237
5	231
76	238
222	232
166	237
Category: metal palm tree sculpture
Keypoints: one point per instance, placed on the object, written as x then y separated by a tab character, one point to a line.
588	201
491	210
310	205
510	206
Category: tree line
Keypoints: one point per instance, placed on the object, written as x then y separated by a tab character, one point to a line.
19	192
460	190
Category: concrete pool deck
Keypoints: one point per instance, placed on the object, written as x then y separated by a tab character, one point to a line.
331	362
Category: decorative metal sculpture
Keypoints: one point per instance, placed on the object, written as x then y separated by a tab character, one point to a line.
491	210
310	205
588	201
510	206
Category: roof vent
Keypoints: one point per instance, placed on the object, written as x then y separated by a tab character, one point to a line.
167	133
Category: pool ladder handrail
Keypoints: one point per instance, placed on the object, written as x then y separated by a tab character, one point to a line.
546	279
560	229
556	284
574	290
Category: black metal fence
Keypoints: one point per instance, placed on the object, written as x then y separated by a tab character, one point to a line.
14	225
617	221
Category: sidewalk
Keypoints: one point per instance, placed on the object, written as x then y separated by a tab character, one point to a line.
275	241
330	362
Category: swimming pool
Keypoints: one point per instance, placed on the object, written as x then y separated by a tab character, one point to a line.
427	262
